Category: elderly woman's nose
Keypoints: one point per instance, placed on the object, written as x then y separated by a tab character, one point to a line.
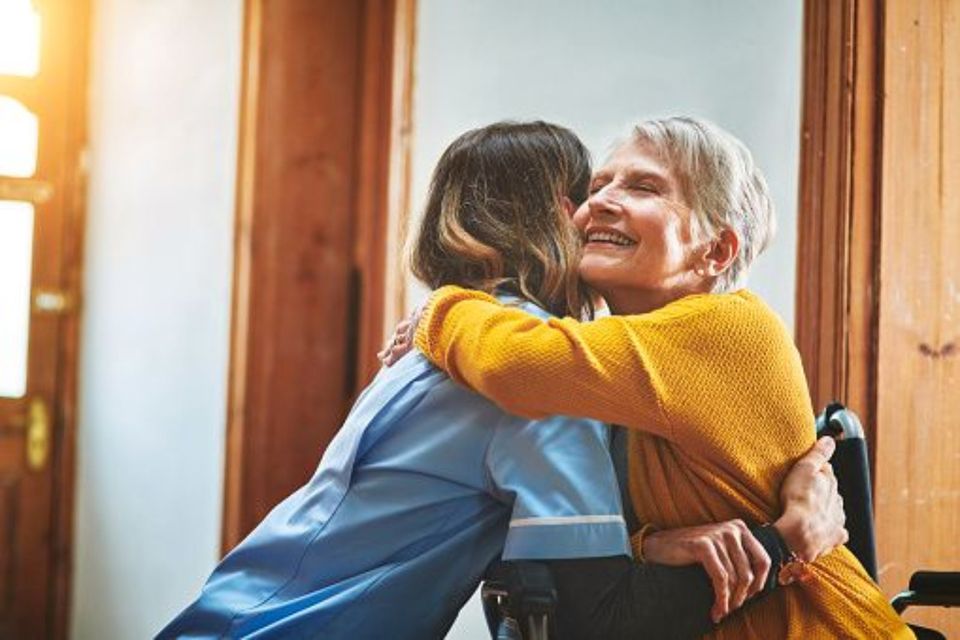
604	200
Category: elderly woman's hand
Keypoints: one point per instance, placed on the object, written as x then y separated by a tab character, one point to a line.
735	561
813	519
401	343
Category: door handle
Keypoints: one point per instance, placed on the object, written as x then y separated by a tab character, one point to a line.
38	434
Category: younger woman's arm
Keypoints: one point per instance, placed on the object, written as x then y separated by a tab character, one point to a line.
614	597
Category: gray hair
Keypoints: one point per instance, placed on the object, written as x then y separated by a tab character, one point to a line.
721	184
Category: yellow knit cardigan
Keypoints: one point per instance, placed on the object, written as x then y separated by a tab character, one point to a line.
715	394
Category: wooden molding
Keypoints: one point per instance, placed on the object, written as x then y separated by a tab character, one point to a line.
383	185
323	167
232	529
838	245
72	42
401	161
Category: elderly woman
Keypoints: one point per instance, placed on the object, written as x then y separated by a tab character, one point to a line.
701	370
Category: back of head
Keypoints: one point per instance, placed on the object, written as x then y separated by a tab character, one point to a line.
495	218
721	183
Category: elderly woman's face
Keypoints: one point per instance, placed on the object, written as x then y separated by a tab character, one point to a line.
636	227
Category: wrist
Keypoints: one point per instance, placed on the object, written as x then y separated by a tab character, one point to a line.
639	540
794	529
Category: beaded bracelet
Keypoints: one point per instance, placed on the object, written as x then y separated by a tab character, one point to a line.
636	541
792	568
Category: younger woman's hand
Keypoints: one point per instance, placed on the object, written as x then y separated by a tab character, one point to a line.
813	520
736	562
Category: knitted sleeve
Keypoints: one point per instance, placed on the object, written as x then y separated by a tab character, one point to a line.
651	371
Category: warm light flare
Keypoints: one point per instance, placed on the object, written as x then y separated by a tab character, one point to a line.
19	38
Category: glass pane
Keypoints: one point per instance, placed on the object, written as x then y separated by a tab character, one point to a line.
16	253
19	38
18	132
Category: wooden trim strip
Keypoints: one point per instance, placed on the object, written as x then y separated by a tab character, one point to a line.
76	22
837	283
231	529
401	158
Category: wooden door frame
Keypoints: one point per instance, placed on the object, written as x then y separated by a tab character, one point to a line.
380	195
839	204
75	216
65	41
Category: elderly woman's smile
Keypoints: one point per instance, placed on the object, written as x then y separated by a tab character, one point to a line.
636	231
600	238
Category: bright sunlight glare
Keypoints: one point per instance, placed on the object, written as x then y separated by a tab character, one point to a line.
19	38
16	240
18	131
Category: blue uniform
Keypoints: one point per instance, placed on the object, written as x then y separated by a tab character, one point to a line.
424	485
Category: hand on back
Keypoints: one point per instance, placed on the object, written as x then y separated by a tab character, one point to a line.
401	343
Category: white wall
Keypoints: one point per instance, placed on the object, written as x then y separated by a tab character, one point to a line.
164	96
158	266
596	67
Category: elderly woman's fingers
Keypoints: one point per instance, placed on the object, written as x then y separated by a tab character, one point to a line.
394	354
400	343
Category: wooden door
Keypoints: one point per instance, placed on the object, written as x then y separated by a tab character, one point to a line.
321	190
41	122
878	305
917	482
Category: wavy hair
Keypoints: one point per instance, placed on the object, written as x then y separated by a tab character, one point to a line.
495	216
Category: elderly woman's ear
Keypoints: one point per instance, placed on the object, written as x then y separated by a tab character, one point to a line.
719	253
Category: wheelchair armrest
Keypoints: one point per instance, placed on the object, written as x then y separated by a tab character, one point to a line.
527	585
930	588
521	590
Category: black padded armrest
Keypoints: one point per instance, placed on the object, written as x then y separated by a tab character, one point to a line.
936	582
930	588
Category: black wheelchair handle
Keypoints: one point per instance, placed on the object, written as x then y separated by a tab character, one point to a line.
839	422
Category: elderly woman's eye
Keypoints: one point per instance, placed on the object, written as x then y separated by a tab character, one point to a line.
646	187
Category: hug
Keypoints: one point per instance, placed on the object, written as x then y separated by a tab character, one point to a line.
573	308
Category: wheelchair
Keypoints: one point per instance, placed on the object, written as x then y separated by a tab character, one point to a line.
519	596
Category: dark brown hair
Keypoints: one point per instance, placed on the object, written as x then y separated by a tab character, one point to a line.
495	218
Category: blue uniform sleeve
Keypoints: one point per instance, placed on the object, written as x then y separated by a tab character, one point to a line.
566	502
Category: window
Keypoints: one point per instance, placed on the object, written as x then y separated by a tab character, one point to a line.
19	38
19	133
16	243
